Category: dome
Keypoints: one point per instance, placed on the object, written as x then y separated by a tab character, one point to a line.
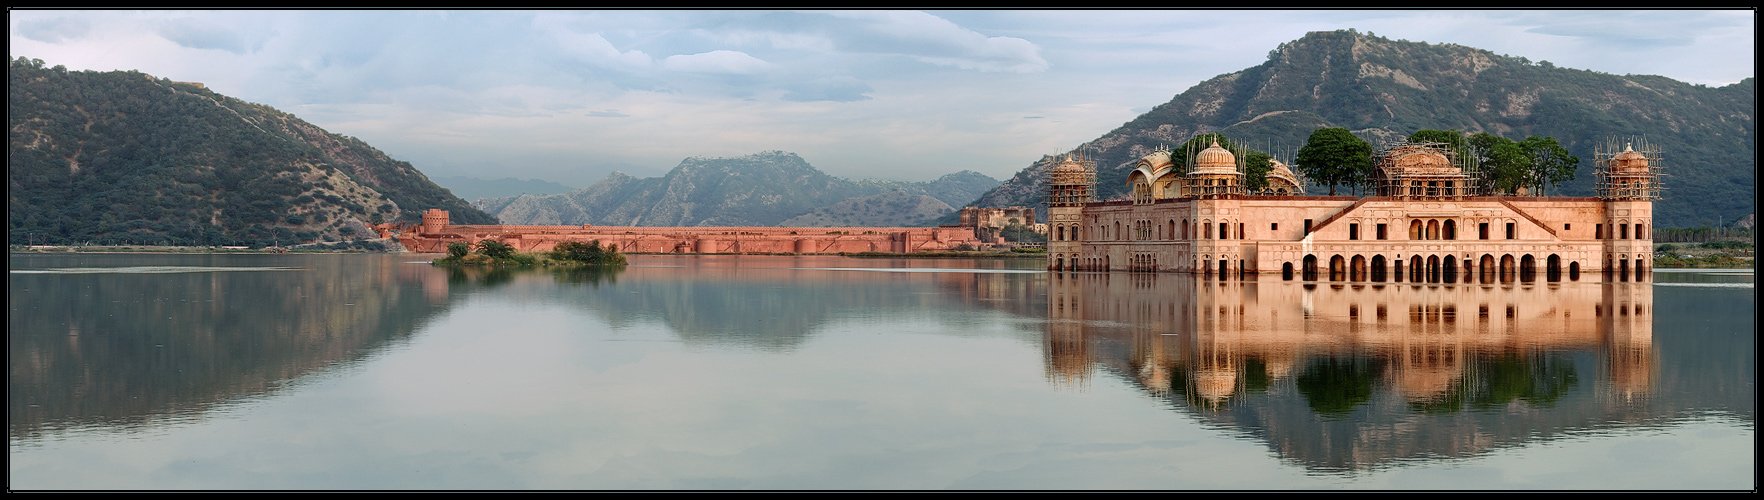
1422	160
1214	160
1156	162
1069	172
1214	384
1629	161
1281	174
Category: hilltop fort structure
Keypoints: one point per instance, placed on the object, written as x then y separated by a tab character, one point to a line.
436	232
989	223
1425	220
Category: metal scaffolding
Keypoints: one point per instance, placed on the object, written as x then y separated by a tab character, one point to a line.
1630	173
1389	178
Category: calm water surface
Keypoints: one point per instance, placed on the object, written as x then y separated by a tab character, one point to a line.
379	371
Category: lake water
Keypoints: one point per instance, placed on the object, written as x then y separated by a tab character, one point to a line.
728	372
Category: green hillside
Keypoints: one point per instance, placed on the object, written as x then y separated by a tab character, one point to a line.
122	157
1385	89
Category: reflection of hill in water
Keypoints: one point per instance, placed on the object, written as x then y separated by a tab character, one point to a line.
168	341
764	303
123	349
1356	376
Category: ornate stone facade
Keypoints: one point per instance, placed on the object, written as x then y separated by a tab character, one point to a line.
1425	222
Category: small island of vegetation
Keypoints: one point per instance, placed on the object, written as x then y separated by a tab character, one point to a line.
492	253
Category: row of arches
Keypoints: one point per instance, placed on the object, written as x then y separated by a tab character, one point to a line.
1148	230
1446	268
1620	230
1433	229
1148	262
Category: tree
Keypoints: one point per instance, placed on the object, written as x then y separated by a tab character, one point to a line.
1256	166
495	249
1454	140
1550	162
1016	232
589	253
1505	167
1334	156
1535	162
457	250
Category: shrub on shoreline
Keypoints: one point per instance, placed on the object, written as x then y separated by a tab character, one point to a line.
494	253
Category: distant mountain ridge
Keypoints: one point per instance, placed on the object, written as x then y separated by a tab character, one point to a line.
762	189
1386	89
473	188
121	157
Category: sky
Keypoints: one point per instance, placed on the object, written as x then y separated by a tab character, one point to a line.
570	96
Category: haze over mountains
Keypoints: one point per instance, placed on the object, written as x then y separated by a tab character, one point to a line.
474	188
763	189
1386	89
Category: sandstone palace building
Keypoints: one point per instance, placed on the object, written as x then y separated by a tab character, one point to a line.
1425	220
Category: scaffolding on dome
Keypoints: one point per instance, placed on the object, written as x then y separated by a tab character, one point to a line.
1632	173
1389	177
1072	182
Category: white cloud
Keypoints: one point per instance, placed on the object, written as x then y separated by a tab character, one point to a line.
716	61
200	35
908	95
54	30
594	49
937	41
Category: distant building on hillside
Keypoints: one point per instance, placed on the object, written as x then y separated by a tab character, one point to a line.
989	223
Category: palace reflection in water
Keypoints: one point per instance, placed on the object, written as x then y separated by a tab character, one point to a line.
1341	376
237	363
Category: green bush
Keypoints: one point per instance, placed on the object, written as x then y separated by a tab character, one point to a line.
495	249
588	253
1727	245
458	250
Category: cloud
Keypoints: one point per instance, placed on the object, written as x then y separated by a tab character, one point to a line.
834	88
716	61
1641	37
197	35
611	113
935	40
55	30
594	49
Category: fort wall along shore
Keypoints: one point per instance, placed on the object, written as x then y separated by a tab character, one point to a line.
435	233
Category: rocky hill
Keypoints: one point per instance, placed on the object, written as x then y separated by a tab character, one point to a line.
1386	89
763	189
122	157
890	209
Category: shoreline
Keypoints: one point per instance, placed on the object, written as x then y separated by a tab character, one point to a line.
1737	264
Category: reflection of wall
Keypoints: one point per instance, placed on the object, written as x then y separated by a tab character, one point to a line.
1290	360
778	302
